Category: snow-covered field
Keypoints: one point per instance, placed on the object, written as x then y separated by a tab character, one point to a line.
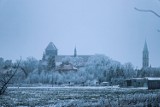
79	97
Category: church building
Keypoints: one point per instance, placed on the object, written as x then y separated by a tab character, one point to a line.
52	52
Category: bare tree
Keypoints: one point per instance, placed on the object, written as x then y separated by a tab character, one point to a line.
6	77
149	11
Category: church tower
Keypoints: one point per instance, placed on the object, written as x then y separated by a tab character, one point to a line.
51	50
75	52
145	56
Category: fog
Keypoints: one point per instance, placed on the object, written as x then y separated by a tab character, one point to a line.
113	28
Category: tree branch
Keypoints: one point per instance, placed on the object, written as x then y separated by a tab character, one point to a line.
6	82
149	11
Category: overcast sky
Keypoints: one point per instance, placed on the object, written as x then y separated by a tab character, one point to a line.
110	27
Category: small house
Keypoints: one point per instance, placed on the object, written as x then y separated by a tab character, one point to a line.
136	82
153	83
149	82
66	67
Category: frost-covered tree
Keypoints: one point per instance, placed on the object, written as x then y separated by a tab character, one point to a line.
51	63
7	64
129	71
29	65
149	72
6	76
97	69
1	63
76	61
98	65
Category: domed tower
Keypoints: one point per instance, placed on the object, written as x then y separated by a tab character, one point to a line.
145	56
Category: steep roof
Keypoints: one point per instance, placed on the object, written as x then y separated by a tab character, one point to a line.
51	46
145	47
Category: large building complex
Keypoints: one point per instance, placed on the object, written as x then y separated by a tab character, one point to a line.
52	51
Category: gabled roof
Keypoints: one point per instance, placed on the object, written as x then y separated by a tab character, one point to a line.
51	46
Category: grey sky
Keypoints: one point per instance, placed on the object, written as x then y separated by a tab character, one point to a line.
110	27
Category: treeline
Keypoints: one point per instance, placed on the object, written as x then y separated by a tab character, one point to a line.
97	69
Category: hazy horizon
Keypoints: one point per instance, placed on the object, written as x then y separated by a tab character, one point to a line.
113	28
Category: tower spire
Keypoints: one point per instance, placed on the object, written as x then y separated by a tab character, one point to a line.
75	52
145	46
145	56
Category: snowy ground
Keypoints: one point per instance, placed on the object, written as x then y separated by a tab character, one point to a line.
79	97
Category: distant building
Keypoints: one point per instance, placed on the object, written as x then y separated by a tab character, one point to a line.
136	82
153	83
66	67
148	82
145	62
52	52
